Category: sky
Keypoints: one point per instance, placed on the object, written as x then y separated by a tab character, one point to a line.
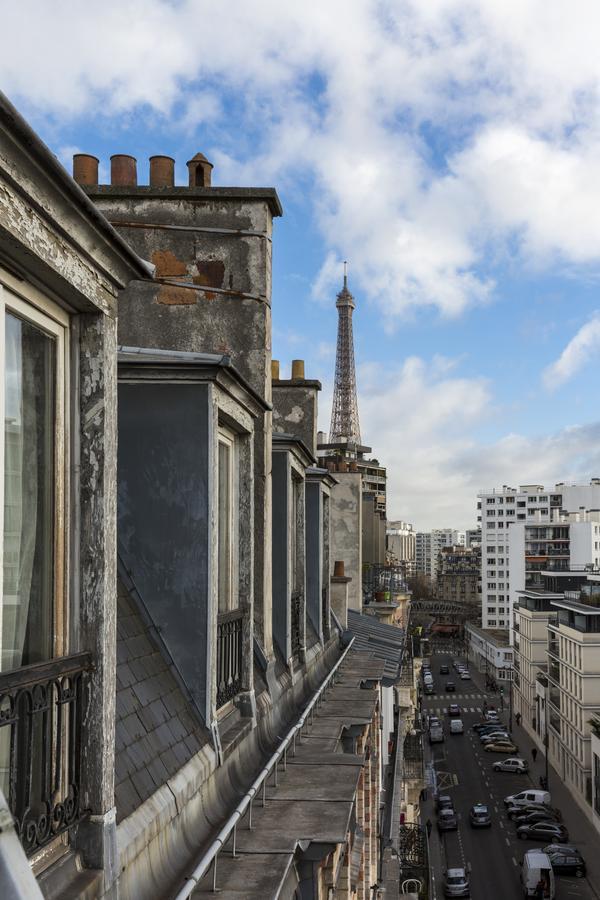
449	150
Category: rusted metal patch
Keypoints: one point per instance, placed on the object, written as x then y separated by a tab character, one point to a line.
167	264
176	296
211	272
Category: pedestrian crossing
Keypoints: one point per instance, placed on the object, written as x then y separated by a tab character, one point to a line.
451	696
442	710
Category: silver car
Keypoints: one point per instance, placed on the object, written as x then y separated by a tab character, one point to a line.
514	764
456	882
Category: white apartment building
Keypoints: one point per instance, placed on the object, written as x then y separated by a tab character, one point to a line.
401	543
429	545
498	510
473	537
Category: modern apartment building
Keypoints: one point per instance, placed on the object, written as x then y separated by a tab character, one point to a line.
497	511
429	545
401	544
473	537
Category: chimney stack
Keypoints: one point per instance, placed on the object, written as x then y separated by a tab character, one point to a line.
123	170
200	170
275	369
85	168
162	171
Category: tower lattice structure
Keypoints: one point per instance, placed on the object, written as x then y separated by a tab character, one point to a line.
345	426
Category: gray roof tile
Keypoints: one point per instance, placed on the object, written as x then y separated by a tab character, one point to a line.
156	730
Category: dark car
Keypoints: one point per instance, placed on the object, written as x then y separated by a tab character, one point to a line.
479	816
539	816
566	860
447	820
550	811
485	727
450	686
454	710
443	801
444	670
554	832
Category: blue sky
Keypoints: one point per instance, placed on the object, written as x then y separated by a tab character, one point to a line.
450	150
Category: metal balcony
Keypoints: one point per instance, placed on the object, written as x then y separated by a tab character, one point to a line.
229	655
41	724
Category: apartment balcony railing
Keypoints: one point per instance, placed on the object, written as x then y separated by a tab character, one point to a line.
553	647
413	756
325	613
41	724
296	610
229	655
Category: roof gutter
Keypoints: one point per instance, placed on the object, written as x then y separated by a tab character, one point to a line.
245	804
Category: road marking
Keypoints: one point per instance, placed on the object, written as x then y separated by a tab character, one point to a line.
507	842
501	824
514	861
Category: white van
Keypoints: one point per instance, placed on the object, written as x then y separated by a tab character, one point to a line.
536	867
456	726
523	798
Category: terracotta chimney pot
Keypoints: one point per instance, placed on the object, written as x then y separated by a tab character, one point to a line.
339	569
123	170
275	369
85	168
162	171
200	170
297	370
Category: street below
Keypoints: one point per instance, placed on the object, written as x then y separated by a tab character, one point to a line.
461	768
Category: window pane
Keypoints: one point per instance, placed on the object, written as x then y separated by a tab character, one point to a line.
225	523
29	432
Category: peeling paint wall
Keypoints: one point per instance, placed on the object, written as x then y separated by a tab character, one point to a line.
212	294
295	410
346	531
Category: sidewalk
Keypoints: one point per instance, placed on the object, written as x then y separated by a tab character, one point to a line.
581	831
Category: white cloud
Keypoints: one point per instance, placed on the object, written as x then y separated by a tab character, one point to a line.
419	421
580	349
424	134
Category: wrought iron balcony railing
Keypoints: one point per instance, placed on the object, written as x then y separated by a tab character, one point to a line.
296	610
325	613
229	655
41	724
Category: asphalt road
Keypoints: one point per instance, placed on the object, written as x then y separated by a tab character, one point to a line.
461	768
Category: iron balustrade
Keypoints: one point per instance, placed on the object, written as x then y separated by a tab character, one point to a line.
229	655
41	723
296	611
325	613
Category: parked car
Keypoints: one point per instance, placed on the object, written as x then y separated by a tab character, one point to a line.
566	860
512	764
485	727
501	747
538	815
489	736
443	801
447	820
454	710
479	816
491	715
450	686
465	676
456	726
444	670
513	812
456	883
523	798
554	832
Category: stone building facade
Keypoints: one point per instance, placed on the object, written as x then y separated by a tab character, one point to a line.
218	706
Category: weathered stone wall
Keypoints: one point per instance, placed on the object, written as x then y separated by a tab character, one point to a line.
346	531
295	410
212	252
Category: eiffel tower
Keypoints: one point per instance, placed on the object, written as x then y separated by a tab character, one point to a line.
345	427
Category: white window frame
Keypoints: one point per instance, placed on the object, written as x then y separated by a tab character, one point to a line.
28	303
228	437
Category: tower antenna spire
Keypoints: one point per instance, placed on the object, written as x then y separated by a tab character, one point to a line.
345	427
